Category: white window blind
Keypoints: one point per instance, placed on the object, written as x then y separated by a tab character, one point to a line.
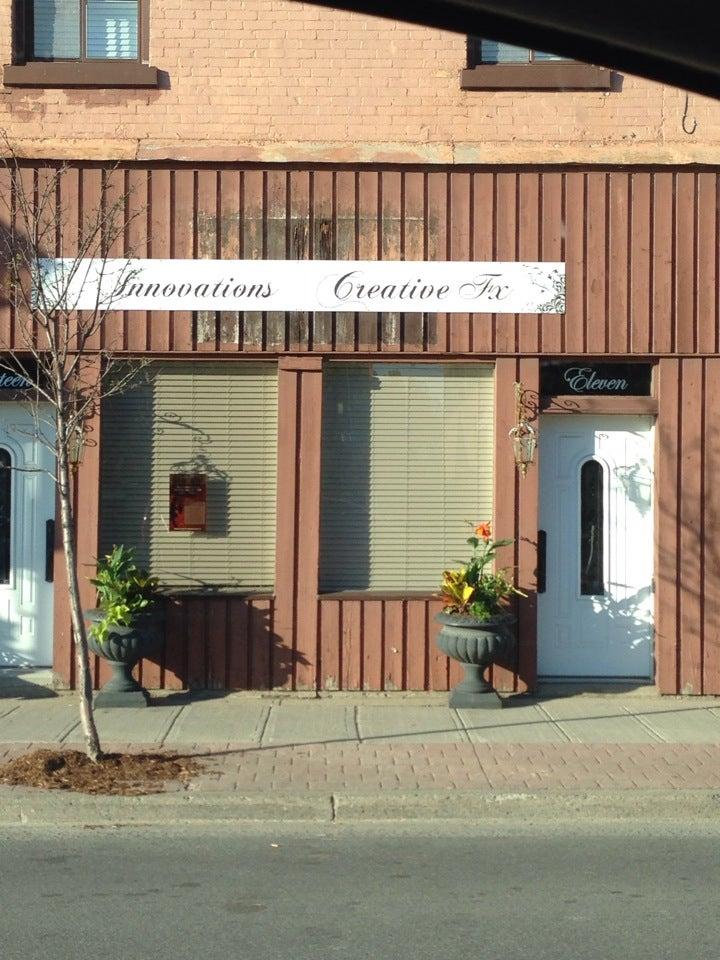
56	29
214	418
407	460
492	51
112	29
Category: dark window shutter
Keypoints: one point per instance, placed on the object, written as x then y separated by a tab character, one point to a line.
20	9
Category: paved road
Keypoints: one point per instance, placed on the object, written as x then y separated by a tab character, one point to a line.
313	891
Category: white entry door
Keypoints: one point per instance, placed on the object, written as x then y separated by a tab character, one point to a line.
27	502
595	616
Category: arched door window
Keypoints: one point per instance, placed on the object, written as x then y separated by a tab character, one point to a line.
5	514
592	546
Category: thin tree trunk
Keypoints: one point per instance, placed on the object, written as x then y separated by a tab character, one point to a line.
84	680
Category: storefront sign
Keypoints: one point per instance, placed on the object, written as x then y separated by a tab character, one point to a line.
596	379
17	375
13	381
313	285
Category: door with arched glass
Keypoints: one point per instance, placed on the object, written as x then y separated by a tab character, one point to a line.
595	615
27	503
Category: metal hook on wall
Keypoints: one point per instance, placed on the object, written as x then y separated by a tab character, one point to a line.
689	130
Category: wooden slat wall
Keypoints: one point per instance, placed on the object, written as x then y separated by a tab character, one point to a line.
297	558
641	250
218	643
380	644
687	599
642	255
374	643
359	643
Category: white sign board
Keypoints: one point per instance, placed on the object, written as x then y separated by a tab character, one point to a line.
356	286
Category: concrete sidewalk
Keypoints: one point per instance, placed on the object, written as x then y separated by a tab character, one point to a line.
374	756
179	720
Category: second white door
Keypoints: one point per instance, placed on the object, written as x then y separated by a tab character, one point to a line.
595	616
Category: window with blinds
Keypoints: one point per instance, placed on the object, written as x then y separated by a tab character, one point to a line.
492	51
407	459
85	29
112	29
217	419
56	29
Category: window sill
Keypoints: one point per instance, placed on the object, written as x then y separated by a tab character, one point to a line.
536	76
379	595
81	74
203	593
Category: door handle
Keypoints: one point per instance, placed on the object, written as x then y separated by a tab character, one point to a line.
49	550
541	560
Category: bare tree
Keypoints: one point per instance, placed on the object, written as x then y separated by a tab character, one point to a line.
47	254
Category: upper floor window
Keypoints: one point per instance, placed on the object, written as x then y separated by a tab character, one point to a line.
84	29
494	65
492	51
81	43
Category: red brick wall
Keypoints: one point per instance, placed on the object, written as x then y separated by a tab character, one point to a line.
280	80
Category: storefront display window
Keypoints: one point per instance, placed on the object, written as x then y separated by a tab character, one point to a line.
407	460
215	421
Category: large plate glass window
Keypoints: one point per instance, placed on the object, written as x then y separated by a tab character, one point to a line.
215	421
407	460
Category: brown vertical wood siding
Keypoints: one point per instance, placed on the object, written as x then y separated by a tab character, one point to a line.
642	258
641	249
387	643
688	518
217	643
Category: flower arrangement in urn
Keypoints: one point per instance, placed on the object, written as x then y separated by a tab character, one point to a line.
476	618
472	589
126	625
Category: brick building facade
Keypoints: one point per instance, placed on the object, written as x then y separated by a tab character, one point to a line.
278	81
279	130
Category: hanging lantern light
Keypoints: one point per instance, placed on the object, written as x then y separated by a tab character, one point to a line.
76	446
524	441
523	435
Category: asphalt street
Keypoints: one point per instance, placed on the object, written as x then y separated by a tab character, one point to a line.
311	891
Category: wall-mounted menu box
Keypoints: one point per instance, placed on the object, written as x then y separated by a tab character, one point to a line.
188	501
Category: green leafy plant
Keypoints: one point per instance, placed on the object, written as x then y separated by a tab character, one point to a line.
124	591
473	589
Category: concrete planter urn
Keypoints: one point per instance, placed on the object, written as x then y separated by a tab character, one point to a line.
123	648
476	645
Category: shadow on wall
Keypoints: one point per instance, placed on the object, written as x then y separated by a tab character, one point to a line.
126	504
216	641
512	658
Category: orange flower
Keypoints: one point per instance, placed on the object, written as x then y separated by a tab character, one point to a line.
483	530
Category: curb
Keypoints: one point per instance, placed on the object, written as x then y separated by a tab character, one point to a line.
524	808
27	807
57	807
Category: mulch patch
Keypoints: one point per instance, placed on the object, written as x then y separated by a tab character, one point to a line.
126	774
